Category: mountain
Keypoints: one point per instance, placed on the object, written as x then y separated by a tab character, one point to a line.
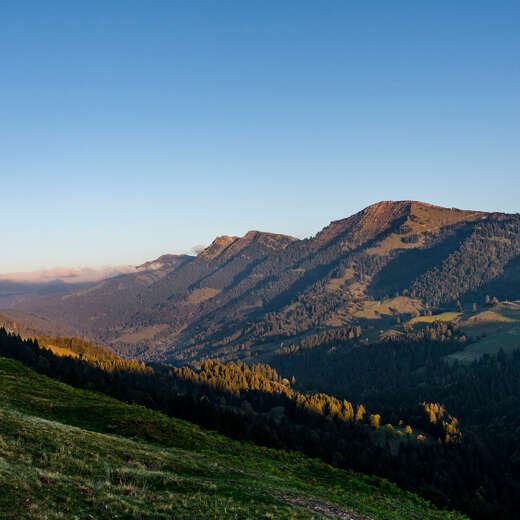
17	320
244	296
14	293
27	288
164	262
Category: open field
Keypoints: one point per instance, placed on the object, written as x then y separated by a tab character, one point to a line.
389	307
201	295
336	283
143	334
443	316
507	339
496	328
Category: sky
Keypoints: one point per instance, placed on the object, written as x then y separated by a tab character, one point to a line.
129	129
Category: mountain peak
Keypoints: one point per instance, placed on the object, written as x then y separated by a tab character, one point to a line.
269	239
377	218
218	246
232	245
164	261
411	206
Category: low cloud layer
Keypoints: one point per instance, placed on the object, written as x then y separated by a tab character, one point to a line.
86	274
195	250
69	274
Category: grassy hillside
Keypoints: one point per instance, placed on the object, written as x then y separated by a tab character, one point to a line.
496	328
68	453
76	348
27	325
491	327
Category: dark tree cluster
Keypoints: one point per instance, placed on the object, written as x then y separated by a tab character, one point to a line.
324	338
393	376
481	258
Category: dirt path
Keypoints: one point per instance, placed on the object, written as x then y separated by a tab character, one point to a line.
322	508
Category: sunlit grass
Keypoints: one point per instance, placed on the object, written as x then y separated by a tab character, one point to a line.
443	316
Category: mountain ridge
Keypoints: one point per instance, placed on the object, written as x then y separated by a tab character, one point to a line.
263	287
167	260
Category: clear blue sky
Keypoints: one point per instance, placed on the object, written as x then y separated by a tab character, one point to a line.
130	129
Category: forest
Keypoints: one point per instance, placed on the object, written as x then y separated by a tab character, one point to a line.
409	425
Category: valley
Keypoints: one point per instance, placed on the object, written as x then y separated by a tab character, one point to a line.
387	344
260	260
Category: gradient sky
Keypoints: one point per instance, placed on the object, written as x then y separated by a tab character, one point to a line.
129	129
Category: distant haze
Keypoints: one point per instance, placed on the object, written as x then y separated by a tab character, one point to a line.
74	275
68	275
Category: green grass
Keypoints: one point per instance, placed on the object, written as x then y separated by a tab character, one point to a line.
507	339
69	453
492	316
375	309
497	327
443	316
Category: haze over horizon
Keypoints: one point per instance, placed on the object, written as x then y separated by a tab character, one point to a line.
130	132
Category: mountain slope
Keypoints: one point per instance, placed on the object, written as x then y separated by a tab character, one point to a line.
392	258
70	452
